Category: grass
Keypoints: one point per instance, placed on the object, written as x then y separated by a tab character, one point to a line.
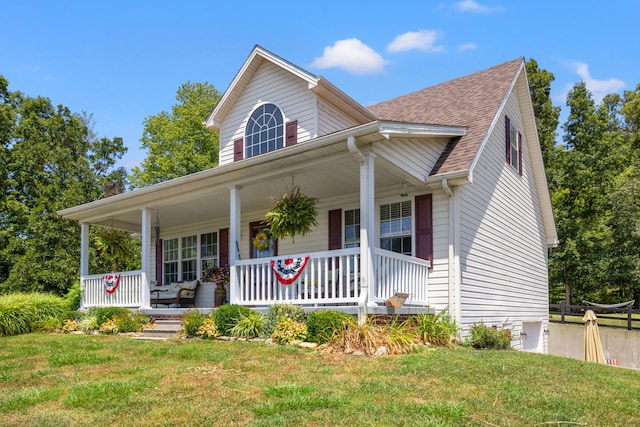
99	380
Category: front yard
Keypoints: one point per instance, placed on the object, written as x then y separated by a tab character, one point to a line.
98	380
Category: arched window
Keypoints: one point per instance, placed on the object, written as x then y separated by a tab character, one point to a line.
265	130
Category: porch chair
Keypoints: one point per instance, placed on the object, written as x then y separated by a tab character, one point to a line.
180	294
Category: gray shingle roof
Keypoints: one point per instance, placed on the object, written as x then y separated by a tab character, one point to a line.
472	101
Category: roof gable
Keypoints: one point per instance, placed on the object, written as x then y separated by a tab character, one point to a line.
472	101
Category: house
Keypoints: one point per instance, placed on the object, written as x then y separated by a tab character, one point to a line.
440	194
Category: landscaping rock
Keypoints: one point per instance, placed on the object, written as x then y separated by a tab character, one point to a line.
308	345
381	351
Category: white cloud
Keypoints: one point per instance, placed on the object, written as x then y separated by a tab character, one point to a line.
423	40
351	55
598	88
467	46
474	6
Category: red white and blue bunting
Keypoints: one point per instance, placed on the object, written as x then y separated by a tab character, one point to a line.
289	269
110	282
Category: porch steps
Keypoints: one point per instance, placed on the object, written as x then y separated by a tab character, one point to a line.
165	329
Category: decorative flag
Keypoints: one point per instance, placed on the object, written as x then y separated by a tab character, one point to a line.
111	282
289	269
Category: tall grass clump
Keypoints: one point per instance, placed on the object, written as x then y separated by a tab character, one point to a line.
369	337
250	326
191	322
436	329
22	313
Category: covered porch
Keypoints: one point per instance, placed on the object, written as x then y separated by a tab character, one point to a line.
348	169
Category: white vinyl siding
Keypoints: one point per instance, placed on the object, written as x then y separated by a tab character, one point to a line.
331	120
274	85
414	156
503	255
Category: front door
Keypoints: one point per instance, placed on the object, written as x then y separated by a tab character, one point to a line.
261	243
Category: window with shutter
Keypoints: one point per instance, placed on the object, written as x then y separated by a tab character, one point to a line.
292	133
395	227
513	145
264	131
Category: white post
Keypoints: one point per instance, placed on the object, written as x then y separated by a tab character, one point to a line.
145	290
84	259
367	225
235	212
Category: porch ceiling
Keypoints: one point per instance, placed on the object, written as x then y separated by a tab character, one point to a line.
322	177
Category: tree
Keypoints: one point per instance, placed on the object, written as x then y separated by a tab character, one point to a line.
178	143
51	160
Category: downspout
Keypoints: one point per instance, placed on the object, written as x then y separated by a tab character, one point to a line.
364	292
453	274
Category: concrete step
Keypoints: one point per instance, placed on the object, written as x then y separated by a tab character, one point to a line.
164	329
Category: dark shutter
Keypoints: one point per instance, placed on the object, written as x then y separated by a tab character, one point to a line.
335	229
424	227
292	133
223	247
507	125
519	153
238	149
159	263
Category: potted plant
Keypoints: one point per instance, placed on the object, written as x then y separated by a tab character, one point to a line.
220	276
292	213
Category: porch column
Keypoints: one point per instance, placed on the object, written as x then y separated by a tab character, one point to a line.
367	226
235	213
84	259
145	290
84	249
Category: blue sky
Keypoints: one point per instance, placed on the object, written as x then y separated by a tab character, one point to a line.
123	61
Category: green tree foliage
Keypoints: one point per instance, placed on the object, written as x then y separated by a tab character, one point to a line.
177	143
49	160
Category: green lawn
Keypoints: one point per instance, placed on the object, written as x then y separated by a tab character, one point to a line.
82	380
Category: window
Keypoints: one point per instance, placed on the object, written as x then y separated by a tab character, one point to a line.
185	257
395	227
208	250
170	255
265	130
189	257
513	146
352	228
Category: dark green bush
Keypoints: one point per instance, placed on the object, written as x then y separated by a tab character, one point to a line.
277	312
322	324
483	336
191	321
226	317
74	296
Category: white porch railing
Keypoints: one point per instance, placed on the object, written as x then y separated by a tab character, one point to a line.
400	273
127	294
329	277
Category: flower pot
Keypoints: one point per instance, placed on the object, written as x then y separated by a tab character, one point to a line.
219	295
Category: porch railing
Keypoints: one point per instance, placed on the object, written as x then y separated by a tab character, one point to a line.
127	294
334	277
396	272
329	277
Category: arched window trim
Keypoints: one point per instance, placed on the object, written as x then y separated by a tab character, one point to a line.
265	130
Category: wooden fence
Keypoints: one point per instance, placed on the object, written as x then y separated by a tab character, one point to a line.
568	314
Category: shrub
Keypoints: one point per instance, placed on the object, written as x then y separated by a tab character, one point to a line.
436	329
226	317
49	324
288	330
88	324
131	322
191	322
69	326
277	312
208	330
322	324
22	313
74	296
250	326
483	336
104	314
109	327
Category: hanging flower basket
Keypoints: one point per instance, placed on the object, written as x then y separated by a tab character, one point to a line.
294	213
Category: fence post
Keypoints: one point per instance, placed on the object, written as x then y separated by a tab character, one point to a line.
629	313
562	310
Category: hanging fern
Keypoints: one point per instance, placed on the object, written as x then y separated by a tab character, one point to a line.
293	214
